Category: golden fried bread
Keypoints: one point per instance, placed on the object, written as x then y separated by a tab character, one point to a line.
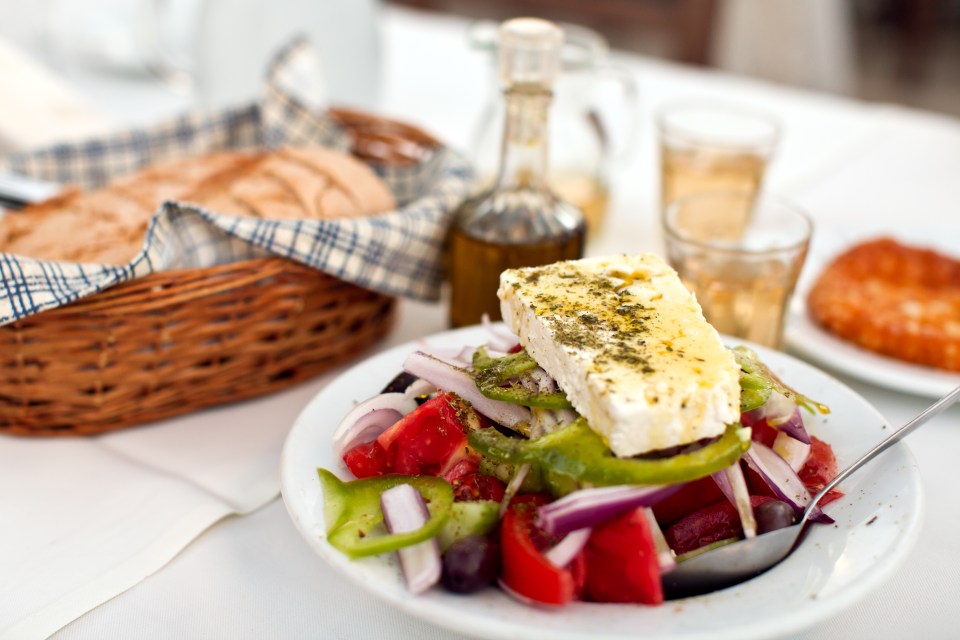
894	299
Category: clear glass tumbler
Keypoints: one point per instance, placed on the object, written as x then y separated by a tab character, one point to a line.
742	276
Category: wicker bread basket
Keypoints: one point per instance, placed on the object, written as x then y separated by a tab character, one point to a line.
177	341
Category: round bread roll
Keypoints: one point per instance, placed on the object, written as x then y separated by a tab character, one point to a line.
896	300
108	225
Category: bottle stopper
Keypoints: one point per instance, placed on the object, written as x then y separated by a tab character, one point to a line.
529	51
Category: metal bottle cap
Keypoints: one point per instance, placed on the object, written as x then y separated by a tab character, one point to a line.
529	51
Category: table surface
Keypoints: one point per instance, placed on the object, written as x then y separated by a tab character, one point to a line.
850	164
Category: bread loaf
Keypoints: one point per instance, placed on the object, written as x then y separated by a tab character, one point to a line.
108	225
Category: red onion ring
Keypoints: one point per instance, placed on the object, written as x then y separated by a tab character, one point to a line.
792	450
590	507
665	556
782	414
419	387
782	479
567	549
369	419
403	511
501	338
456	380
734	486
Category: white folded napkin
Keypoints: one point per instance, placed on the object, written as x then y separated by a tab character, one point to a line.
82	520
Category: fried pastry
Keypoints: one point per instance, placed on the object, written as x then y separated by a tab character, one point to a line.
897	300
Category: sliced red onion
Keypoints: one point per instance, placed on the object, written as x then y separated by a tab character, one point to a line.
793	427
369	419
419	387
783	414
792	450
590	507
665	556
457	357
734	487
567	549
723	483
514	486
782	479
403	511
501	338
457	380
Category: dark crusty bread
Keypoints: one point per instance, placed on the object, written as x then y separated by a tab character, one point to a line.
108	225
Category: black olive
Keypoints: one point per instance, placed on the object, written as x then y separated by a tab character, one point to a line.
400	383
470	563
774	515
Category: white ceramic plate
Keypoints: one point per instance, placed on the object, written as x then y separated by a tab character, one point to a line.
807	339
877	524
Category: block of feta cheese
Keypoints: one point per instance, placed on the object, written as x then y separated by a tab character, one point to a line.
630	347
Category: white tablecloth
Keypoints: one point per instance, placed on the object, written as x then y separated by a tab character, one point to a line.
850	164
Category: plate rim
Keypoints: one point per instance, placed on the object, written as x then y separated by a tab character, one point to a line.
803	336
790	621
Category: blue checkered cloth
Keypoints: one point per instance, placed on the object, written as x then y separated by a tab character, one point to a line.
397	253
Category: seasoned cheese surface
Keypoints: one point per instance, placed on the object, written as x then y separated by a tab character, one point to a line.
630	347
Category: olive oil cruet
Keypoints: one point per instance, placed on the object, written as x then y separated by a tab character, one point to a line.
519	221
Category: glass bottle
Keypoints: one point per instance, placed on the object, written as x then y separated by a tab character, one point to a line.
519	221
590	131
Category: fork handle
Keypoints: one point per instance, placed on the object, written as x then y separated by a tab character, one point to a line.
886	443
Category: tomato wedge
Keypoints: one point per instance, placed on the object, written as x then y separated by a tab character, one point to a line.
469	484
428	440
367	460
708	525
525	569
819	469
622	563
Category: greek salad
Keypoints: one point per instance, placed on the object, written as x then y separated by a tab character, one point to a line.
475	469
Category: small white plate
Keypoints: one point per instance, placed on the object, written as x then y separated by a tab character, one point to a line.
877	524
805	338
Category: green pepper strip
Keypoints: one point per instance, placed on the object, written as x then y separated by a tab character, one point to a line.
757	381
492	376
482	359
576	453
352	511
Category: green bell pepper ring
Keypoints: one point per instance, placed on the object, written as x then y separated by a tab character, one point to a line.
481	359
576	454
352	512
492	375
757	381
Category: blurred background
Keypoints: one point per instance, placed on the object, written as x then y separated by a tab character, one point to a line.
901	51
71	69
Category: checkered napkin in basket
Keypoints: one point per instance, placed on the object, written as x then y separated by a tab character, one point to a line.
397	253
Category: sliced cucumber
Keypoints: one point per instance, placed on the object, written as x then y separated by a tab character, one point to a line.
469	518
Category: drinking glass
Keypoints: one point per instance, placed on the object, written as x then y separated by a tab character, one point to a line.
713	147
743	276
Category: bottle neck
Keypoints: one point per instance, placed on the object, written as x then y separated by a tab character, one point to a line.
523	154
